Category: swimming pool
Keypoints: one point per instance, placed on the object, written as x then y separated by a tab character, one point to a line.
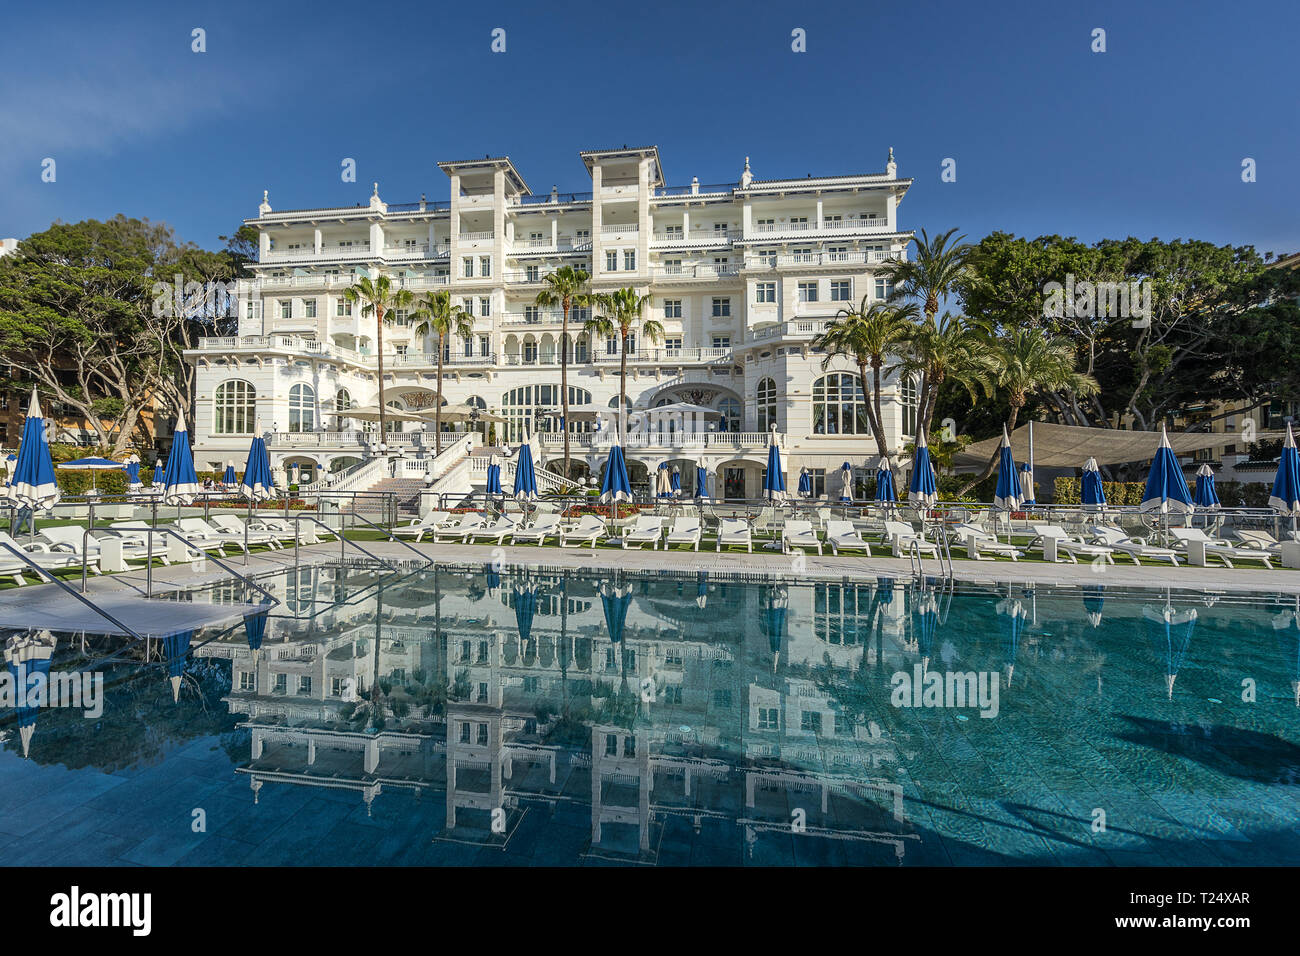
550	717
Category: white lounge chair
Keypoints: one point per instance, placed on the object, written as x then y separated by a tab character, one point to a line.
976	540
69	538
202	535
799	534
1260	540
466	525
1132	545
841	534
231	524
1054	540
685	530
902	537
589	530
733	532
1199	546
39	553
647	529
544	526
496	531
418	528
140	532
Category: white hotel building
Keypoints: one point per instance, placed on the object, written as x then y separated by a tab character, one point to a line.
742	277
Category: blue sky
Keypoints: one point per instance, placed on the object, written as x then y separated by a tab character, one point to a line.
1146	139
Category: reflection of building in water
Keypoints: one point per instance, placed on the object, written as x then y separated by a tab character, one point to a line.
505	713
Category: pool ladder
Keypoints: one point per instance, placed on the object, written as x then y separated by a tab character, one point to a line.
943	557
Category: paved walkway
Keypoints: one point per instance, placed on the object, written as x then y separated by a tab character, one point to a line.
123	595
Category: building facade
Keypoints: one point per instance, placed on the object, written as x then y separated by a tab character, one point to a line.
741	276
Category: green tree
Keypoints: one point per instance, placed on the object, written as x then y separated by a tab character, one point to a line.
868	336
435	315
933	273
567	287
377	297
620	314
947	351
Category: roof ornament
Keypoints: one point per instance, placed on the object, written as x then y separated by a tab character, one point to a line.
891	167
555	193
746	177
375	201
695	185
265	206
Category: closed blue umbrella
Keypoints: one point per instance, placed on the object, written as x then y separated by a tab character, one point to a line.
615	602
701	482
663	484
675	479
494	477
701	589
773	479
1015	613
1170	633
615	486
33	484
885	493
525	610
180	483
255	632
525	477
491	577
922	489
28	658
257	484
774	619
1286	485
1166	488
1007	495
1027	493
133	482
927	610
805	483
177	648
1205	498
1094	495
158	473
229	479
1094	599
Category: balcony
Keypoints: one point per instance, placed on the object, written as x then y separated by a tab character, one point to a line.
359	250
664	357
866	257
476	236
700	237
691	273
847	224
667	441
620	229
420	250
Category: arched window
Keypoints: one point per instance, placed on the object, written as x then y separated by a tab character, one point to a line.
519	404
766	398
342	400
235	407
730	409
911	401
302	408
839	407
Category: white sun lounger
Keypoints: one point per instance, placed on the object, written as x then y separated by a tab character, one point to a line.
496	531
734	532
68	538
799	534
231	524
1055	540
975	540
1259	540
841	534
544	526
1199	546
429	524
900	536
647	529
39	553
685	530
202	535
462	528
1131	545
589	530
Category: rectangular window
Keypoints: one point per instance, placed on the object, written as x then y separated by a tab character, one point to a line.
798	221
722	341
672	308
673	232
401	318
629	260
765	225
309	308
720	228
611	261
286	308
467	306
840	291
532	274
484	307
721	307
768	718
532	314
304	685
832	220
485	266
807	291
342	308
810	721
247	681
281	683
672	342
401	350
672	267
467	267
765	292
884	289
484	345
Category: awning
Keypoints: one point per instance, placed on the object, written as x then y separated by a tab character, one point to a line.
1069	446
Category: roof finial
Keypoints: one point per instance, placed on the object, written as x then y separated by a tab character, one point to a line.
265	205
376	192
891	167
746	177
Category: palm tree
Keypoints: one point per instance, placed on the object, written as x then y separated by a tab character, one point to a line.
566	287
435	315
378	298
933	274
620	313
1028	359
867	335
949	350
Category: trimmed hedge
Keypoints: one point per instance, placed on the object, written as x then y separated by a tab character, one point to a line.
1233	494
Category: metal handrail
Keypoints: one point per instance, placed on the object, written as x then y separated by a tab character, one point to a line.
343	540
915	563
22	556
207	554
391	537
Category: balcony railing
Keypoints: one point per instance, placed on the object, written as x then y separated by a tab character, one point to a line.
699	236
475	236
683	356
848	224
702	271
661	439
610	229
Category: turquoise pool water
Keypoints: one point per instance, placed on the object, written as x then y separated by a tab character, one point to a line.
460	716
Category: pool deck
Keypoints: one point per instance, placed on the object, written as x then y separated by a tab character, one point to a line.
123	594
